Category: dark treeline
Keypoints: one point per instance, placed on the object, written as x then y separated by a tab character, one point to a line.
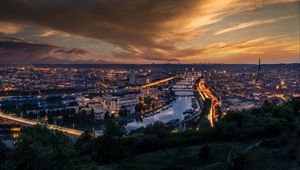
276	126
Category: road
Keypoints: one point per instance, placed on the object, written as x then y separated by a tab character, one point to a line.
28	122
158	82
206	93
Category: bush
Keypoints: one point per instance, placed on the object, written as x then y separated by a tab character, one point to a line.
157	128
204	153
238	162
41	148
3	154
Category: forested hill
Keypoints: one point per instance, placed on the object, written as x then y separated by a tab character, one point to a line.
260	138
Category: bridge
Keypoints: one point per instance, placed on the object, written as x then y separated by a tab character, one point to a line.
158	82
27	122
182	123
184	87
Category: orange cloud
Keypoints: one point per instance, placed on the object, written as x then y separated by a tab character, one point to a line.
264	46
147	28
9	28
50	32
251	24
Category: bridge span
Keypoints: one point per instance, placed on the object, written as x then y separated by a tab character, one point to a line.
27	122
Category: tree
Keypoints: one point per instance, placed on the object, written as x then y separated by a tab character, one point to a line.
194	106
157	128
139	107
3	154
28	106
113	130
285	112
123	111
295	105
41	148
219	111
84	144
204	124
8	106
207	104
237	118
238	162
92	116
148	100
204	153
106	115
108	147
268	106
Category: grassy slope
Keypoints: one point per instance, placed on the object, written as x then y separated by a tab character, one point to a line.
279	151
188	158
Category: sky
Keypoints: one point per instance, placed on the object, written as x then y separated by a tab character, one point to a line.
149	31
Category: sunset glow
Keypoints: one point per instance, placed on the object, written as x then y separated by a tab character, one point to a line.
144	31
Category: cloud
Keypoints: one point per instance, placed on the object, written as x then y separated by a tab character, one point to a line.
17	51
251	24
9	28
111	20
45	33
162	59
271	48
140	28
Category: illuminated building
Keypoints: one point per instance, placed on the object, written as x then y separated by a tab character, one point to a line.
132	77
260	74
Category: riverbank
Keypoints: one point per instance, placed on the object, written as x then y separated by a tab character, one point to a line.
158	110
180	105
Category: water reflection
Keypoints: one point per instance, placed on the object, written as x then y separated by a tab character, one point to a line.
175	112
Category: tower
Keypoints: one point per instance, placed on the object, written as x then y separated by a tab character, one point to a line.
260	74
259	67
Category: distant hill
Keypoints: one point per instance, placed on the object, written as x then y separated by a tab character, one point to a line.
167	66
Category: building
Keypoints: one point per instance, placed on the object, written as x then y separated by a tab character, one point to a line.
132	78
114	103
260	74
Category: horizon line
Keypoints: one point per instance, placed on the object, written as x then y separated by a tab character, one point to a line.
145	63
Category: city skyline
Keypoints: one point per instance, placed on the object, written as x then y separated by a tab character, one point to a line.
145	32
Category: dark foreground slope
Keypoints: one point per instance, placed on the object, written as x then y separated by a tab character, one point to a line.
262	138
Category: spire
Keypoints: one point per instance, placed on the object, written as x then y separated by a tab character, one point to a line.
260	74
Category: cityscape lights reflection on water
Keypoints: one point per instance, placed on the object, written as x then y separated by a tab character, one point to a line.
180	105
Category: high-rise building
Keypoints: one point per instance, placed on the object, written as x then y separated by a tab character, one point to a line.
132	77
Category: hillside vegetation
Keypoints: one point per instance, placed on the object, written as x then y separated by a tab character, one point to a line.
260	138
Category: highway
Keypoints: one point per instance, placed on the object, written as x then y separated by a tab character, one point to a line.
207	93
28	122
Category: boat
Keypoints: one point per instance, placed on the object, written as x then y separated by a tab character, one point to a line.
187	116
189	111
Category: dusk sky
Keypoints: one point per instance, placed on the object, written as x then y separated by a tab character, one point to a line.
149	31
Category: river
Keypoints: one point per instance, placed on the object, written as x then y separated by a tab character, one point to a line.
180	105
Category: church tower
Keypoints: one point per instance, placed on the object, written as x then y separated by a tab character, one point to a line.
260	74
